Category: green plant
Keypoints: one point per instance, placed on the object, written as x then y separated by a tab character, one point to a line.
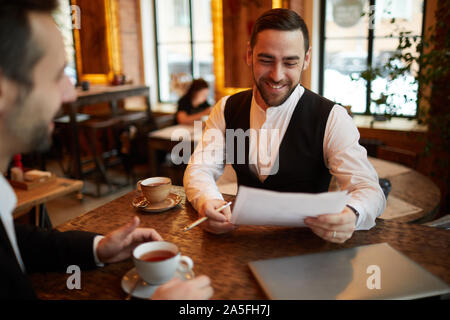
428	61
402	65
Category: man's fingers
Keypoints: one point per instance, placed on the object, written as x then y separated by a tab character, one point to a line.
173	282
124	231
340	237
201	281
146	234
212	213
203	285
208	293
198	288
218	222
346	216
219	227
330	227
227	213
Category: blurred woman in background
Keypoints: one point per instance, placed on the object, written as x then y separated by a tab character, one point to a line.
194	105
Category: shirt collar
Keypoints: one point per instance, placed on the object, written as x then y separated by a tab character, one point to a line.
8	197
293	99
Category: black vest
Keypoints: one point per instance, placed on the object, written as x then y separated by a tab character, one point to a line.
301	163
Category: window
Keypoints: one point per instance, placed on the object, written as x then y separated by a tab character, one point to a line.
352	41
184	45
64	21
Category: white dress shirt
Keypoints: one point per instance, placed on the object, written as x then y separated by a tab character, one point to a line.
8	201
343	156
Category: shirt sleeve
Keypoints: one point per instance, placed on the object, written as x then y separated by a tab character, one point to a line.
347	161
207	162
95	245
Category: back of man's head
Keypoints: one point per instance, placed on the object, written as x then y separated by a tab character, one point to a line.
18	51
282	20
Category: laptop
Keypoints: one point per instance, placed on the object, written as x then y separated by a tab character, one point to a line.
367	272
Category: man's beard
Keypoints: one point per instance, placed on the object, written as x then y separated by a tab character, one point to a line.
277	100
37	138
41	140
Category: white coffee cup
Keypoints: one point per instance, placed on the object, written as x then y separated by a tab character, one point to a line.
158	272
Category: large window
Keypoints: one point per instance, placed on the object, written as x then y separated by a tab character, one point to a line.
184	45
65	22
360	33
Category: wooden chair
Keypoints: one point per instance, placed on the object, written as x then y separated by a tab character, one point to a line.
103	150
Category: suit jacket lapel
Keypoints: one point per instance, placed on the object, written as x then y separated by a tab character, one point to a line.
5	243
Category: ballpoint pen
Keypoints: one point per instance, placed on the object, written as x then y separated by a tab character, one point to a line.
203	219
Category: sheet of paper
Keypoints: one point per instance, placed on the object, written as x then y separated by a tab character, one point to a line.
264	207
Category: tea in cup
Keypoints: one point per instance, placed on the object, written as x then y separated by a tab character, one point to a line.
157	262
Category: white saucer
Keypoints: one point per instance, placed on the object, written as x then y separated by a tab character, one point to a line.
143	290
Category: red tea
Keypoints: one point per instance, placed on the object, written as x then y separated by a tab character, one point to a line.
157	255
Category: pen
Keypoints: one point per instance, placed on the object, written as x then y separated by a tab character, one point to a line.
203	219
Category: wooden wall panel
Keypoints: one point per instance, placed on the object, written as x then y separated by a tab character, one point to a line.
93	43
131	40
97	42
238	20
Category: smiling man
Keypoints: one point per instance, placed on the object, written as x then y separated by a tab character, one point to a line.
32	88
315	138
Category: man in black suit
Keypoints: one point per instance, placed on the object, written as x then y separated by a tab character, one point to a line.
32	88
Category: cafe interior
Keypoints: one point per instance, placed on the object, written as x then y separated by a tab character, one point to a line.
132	62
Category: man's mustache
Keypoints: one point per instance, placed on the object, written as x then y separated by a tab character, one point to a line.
279	83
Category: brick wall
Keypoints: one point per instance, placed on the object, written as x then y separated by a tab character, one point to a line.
130	39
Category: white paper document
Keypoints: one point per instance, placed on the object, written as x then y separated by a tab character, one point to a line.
264	207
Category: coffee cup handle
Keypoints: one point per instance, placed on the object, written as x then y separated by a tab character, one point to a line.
185	267
138	185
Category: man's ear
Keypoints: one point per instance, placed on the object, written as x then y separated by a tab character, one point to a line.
307	59
8	90
249	54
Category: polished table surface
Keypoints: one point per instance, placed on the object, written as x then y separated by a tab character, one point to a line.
225	258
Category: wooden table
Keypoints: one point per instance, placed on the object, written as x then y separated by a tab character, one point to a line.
36	198
99	94
412	187
225	258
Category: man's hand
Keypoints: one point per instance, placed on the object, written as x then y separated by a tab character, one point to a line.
119	244
177	289
341	225
218	222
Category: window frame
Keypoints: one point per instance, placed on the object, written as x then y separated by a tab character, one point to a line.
191	43
370	43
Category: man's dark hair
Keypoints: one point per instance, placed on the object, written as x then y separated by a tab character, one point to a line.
280	19
19	52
